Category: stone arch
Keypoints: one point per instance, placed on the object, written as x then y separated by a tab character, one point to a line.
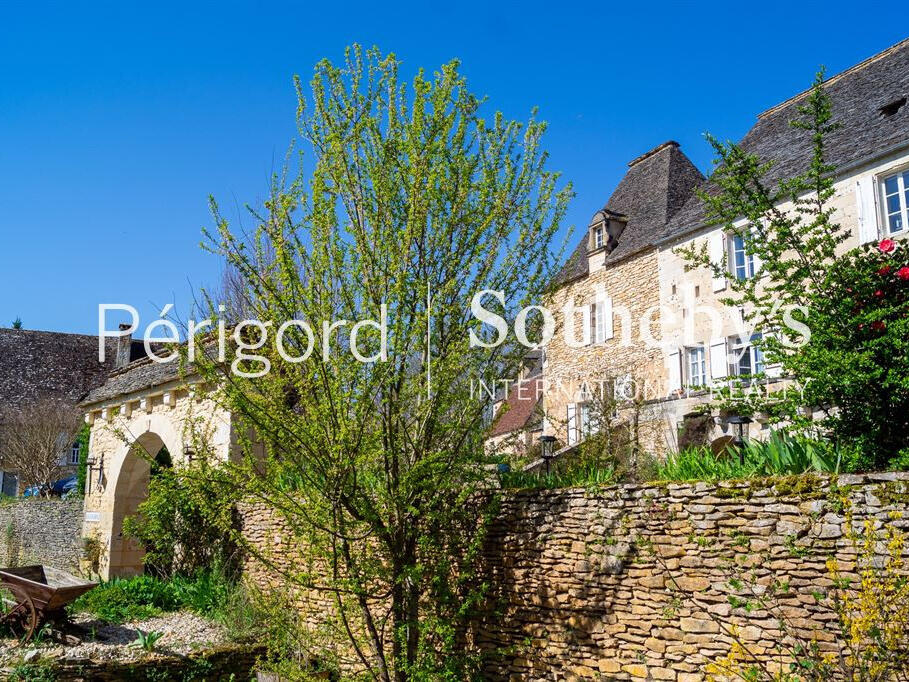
128	487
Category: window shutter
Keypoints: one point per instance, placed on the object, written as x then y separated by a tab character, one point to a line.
675	370
587	332
719	359
572	423
604	328
717	252
867	210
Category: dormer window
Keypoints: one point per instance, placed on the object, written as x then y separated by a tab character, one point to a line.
598	239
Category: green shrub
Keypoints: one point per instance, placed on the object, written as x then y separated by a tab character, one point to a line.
781	455
130	599
185	523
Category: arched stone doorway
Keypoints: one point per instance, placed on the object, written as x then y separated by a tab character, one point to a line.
140	419
130	490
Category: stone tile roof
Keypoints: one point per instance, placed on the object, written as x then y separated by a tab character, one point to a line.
50	365
136	376
656	185
519	409
860	97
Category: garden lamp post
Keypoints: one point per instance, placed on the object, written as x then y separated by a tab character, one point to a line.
546	444
739	423
93	464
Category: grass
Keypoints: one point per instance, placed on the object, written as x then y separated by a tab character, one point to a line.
583	475
130	599
210	594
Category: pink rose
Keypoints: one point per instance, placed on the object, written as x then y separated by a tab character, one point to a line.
887	246
884	271
903	273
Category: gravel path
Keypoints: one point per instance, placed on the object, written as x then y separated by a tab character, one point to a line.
183	633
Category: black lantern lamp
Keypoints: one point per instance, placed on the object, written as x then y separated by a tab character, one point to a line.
93	464
546	452
739	424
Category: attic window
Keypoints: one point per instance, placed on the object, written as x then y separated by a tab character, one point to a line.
598	236
890	109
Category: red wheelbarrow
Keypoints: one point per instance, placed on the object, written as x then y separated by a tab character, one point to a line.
32	596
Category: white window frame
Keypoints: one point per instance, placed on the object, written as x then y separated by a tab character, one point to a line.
598	236
748	265
74	452
739	346
902	194
696	366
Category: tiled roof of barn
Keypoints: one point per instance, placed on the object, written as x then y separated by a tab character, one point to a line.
858	97
50	365
520	408
656	185
136	376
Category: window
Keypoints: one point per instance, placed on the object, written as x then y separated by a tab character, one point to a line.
598	322
748	359
74	453
742	262
598	237
586	419
896	200
697	366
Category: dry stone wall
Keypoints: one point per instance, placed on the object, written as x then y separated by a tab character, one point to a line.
633	581
37	531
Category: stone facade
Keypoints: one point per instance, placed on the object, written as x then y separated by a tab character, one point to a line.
127	430
39	531
632	286
632	582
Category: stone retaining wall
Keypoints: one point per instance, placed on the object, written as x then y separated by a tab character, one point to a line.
39	531
633	582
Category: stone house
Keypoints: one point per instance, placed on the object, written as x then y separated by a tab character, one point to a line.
640	324
63	368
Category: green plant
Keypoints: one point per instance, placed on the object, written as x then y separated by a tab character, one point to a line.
410	207
142	597
82	470
185	522
147	640
781	455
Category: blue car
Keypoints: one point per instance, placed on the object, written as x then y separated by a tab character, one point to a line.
62	488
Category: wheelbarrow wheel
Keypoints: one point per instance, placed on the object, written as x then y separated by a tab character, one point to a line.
17	612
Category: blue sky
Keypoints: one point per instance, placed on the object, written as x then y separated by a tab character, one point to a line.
118	120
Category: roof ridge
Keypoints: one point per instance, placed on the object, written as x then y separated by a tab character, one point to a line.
47	331
836	77
655	150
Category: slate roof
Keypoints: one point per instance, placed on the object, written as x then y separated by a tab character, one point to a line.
858	96
136	376
50	365
656	185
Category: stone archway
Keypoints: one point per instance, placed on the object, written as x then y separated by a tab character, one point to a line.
125	555
174	417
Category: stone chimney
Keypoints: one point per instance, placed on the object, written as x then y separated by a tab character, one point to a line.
124	348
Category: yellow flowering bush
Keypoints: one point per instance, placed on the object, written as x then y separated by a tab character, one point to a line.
871	616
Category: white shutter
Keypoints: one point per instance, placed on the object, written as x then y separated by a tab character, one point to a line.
867	210
719	359
675	370
717	252
604	325
572	423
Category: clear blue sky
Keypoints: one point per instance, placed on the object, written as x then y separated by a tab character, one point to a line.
117	121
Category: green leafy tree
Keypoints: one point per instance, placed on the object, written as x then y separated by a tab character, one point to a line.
852	363
415	202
